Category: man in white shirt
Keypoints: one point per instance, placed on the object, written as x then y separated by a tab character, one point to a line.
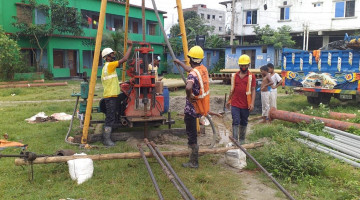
277	80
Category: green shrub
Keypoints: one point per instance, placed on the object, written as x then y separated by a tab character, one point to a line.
291	162
10	57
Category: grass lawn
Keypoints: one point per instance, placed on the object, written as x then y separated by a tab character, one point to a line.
304	172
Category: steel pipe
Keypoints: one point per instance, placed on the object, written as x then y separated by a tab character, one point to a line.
354	149
331	150
343	132
347	142
353	163
316	139
287	194
296	117
166	171
150	172
172	171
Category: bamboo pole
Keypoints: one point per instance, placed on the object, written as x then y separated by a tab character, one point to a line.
94	72
130	155
183	32
127	7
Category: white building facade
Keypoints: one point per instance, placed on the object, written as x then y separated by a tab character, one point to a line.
211	17
326	20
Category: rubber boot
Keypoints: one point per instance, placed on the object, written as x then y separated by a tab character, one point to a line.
107	136
194	157
235	131
242	134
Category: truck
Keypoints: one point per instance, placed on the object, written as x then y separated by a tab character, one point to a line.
323	74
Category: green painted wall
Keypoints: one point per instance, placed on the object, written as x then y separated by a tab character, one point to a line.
8	9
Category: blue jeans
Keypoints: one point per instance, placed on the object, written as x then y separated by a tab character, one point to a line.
240	116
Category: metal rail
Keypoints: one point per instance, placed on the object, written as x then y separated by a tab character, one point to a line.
166	171
172	171
150	172
287	194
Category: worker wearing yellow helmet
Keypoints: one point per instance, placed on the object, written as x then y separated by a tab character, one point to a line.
110	82
242	97
197	99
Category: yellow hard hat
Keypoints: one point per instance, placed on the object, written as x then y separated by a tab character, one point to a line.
196	52
244	59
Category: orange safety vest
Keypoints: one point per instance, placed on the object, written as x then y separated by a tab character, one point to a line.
202	104
248	86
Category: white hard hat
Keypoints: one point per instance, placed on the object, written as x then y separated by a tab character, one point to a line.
106	52
158	58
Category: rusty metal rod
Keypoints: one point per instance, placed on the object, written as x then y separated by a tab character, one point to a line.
172	171
166	170
297	117
150	172
287	194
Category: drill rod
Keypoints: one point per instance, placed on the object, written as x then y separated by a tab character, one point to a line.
172	171
287	194
150	172
166	170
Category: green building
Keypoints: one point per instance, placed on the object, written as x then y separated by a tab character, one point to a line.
68	55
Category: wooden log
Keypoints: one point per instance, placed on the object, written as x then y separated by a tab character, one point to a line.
33	85
130	155
123	136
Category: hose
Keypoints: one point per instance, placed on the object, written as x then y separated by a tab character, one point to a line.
71	123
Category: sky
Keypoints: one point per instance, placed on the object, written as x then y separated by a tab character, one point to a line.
169	6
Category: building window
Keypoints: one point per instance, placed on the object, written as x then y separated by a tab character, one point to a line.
285	13
220	17
152	29
214	53
92	18
208	59
264	49
24	14
88	57
202	16
345	9
118	24
213	17
220	28
251	17
208	16
40	17
233	50
317	4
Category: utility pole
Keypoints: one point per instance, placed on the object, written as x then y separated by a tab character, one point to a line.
232	23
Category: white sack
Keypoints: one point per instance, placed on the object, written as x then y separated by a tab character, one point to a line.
235	158
81	169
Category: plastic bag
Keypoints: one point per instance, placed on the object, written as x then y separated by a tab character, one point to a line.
81	169
235	158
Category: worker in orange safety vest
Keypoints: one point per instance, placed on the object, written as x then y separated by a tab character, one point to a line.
197	99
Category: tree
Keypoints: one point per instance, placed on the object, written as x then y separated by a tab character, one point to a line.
214	41
190	14
10	56
193	26
279	38
59	18
114	40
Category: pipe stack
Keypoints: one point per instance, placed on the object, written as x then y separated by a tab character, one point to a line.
345	146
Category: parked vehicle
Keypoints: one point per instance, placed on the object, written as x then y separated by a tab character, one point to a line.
323	74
